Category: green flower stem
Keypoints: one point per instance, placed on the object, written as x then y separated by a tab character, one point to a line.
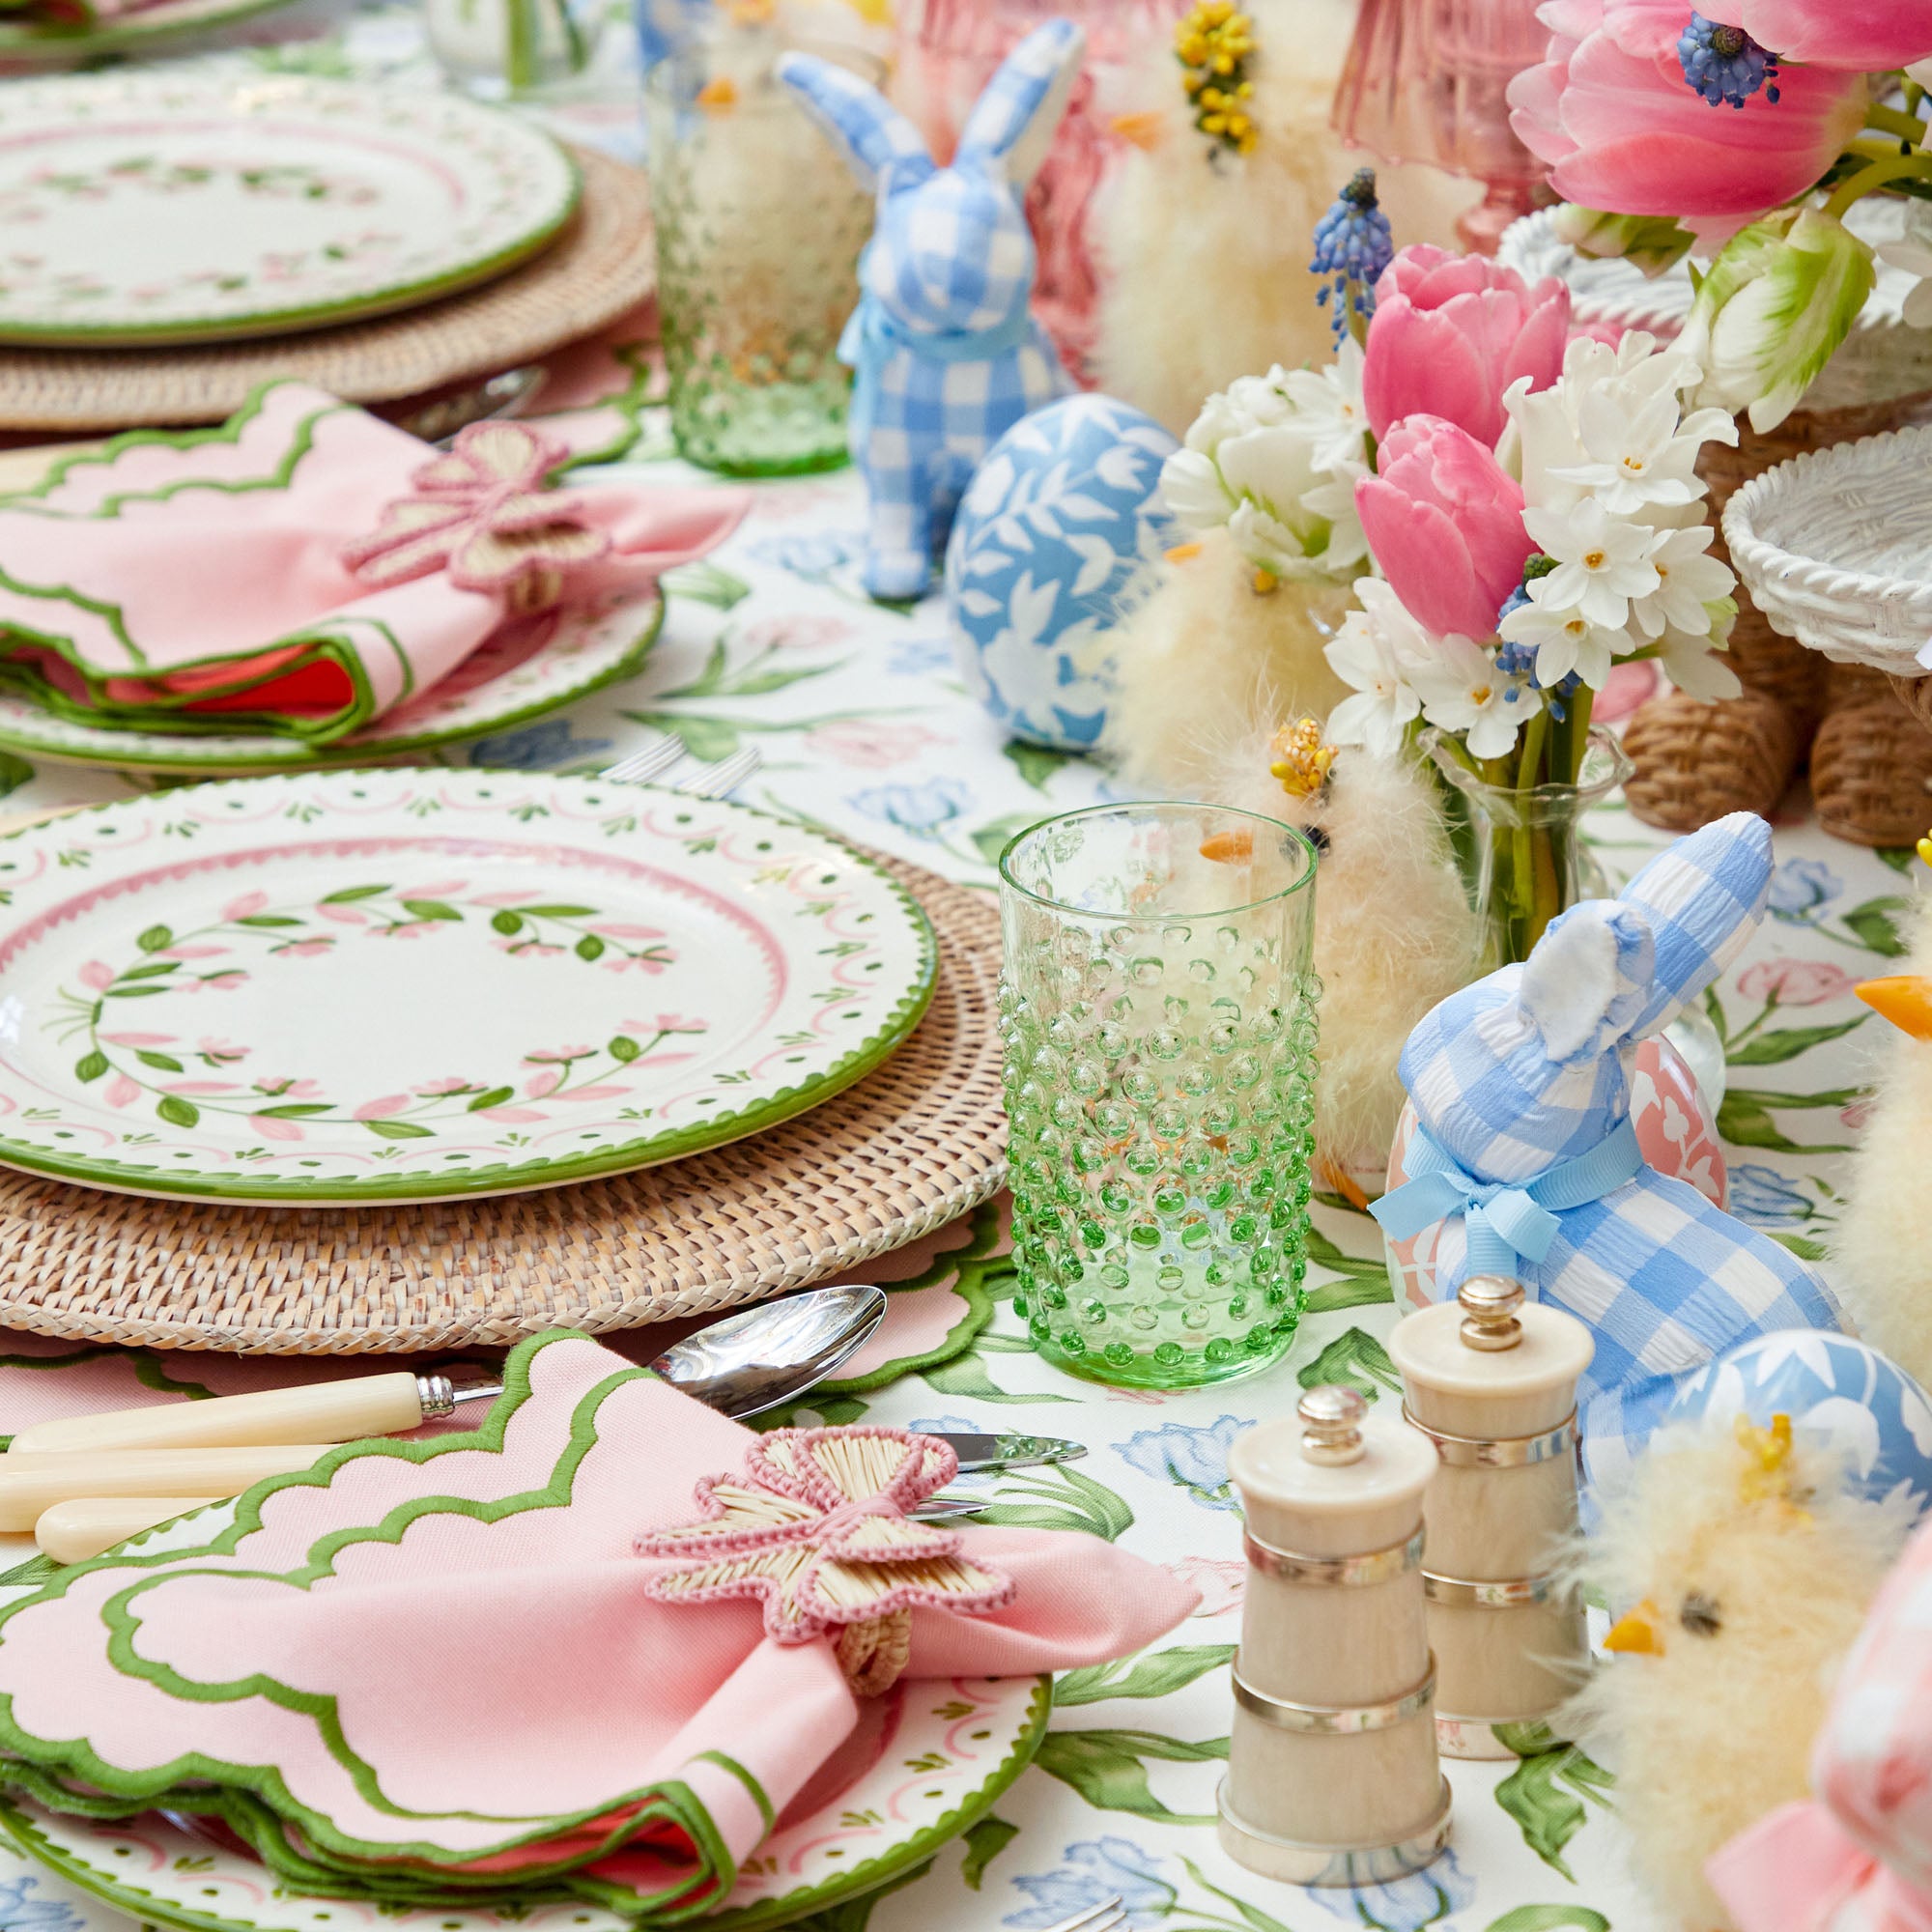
1890	121
1877	175
1576	735
520	44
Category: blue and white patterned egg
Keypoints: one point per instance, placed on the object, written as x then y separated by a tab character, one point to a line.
1062	521
1829	1384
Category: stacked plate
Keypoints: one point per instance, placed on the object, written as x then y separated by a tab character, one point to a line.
162	217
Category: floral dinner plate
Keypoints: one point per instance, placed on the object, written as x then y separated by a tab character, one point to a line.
935	1755
410	986
524	673
150	208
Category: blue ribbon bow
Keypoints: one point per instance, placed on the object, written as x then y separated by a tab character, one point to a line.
872	333
1508	1223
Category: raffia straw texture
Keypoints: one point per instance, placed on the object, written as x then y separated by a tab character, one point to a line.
905	1150
1699	762
598	269
1872	765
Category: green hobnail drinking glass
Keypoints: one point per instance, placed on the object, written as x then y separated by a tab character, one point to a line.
1158	1010
760	224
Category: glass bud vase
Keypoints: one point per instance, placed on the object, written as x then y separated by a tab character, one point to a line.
498	48
1521	848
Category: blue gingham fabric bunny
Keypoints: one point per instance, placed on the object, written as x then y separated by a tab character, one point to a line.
1524	1163
946	354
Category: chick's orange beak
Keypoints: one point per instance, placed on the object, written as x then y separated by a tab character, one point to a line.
1639	1633
1905	1000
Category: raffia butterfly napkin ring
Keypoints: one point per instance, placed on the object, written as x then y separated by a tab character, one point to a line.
818	1530
484	512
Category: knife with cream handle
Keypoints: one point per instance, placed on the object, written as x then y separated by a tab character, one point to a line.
73	1531
32	1484
343	1411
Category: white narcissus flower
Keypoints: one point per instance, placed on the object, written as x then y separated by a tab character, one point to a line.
1464	690
1777	302
1328	403
1602	563
1373	653
1695	668
1688	582
1564	640
1191	486
1642	456
1912	258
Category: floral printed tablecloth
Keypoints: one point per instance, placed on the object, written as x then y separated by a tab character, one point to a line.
865	727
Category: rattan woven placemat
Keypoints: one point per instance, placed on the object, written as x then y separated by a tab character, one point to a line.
903	1152
598	269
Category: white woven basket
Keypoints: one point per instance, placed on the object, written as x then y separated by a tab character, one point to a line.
1883	359
1836	548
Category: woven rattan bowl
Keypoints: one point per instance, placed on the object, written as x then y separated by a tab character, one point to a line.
1836	548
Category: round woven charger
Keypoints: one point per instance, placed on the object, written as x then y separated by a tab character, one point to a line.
599	267
909	1147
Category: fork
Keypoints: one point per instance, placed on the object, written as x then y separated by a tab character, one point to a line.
1106	1917
707	781
721	780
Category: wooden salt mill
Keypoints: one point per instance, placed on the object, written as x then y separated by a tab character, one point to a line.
1332	1772
1493	1382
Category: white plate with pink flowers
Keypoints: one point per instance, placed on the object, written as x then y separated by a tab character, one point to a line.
151	207
415	985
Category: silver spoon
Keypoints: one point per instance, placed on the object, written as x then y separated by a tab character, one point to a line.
741	1366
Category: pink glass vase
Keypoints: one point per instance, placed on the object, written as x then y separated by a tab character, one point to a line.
948	52
1424	81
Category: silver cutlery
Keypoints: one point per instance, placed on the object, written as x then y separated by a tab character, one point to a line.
641	767
741	1366
1109	1915
723	778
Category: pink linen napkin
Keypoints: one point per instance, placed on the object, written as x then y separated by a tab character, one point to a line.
446	1657
1858	1857
252	577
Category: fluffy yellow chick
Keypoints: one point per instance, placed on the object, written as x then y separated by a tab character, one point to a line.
1881	1251
1207	250
1393	930
1750	1569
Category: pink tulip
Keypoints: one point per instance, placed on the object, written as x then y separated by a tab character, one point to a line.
1452	333
1445	520
1847	34
1611	111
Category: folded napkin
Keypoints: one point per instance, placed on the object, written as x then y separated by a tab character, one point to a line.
596	1647
307	566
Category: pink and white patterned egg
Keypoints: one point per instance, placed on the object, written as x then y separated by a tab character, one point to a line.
1674	1130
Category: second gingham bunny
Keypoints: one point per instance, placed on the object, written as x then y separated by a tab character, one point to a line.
1524	1162
946	354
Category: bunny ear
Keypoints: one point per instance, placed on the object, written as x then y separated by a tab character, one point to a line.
875	138
1587	979
1013	124
1703	898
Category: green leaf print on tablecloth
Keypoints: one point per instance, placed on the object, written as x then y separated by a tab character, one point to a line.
1154	1675
985	1842
1064	1498
1745	1120
1360	1283
1545	1793
1357	1359
1548	1917
1107	1768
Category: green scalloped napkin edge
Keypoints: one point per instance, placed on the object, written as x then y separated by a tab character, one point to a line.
77	1757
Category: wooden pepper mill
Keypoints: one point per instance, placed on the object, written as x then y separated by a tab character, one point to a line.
1493	1382
1332	1772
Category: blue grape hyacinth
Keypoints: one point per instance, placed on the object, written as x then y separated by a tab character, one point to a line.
1352	246
1724	64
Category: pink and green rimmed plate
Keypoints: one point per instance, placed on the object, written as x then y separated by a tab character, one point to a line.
531	668
934	1756
149	208
419	985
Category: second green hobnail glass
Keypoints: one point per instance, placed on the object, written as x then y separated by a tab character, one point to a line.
1158	1012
